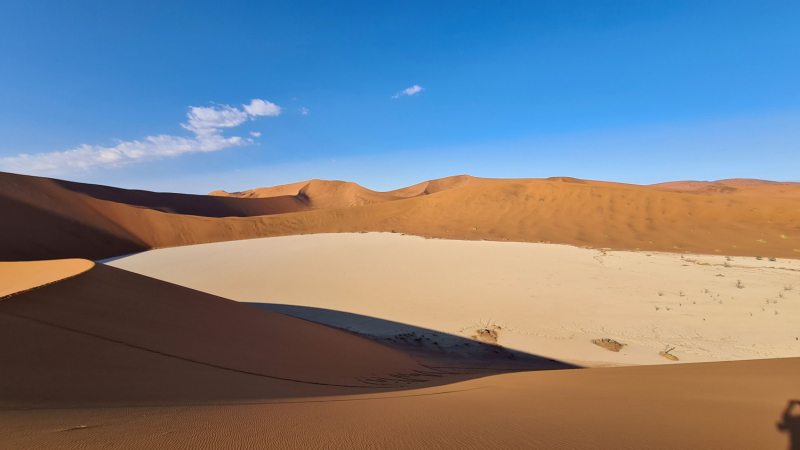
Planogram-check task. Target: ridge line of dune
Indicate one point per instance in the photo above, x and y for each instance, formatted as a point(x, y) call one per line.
point(42, 285)
point(22, 291)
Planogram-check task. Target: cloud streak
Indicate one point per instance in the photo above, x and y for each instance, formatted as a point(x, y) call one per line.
point(413, 90)
point(205, 122)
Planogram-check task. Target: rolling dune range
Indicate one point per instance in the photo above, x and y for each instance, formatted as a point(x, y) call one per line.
point(54, 219)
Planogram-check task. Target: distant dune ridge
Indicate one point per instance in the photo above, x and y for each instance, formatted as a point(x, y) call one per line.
point(695, 185)
point(53, 219)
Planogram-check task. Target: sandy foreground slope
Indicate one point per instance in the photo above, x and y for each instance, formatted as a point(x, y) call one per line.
point(111, 359)
point(731, 405)
point(55, 219)
point(549, 300)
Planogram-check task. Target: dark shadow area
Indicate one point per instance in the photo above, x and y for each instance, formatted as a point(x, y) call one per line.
point(790, 424)
point(188, 204)
point(434, 347)
point(29, 233)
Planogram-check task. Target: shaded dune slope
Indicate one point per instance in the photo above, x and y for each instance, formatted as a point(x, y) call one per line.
point(52, 222)
point(193, 205)
point(111, 336)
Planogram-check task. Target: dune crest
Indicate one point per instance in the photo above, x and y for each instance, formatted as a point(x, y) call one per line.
point(17, 277)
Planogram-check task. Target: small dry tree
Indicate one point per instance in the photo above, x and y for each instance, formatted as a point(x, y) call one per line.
point(739, 284)
point(666, 353)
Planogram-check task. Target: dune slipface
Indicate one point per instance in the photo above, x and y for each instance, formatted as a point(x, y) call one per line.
point(52, 221)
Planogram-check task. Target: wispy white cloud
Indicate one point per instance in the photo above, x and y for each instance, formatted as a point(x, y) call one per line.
point(413, 90)
point(262, 108)
point(304, 110)
point(256, 133)
point(207, 120)
point(204, 122)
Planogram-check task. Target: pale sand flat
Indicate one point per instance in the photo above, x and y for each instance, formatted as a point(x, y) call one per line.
point(547, 300)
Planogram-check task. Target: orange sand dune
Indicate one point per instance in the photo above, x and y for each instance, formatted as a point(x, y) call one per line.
point(730, 405)
point(50, 221)
point(194, 205)
point(330, 188)
point(439, 185)
point(319, 194)
point(689, 185)
point(264, 192)
point(16, 277)
point(108, 336)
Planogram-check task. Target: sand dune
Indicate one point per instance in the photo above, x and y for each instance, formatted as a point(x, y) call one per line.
point(264, 192)
point(186, 204)
point(108, 336)
point(690, 185)
point(733, 405)
point(438, 185)
point(52, 222)
point(328, 188)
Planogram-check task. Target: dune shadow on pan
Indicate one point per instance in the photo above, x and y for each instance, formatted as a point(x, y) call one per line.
point(790, 423)
point(432, 347)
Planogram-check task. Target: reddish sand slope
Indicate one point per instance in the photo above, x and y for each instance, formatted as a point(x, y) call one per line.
point(319, 194)
point(50, 221)
point(108, 336)
point(730, 405)
point(336, 194)
point(264, 192)
point(438, 185)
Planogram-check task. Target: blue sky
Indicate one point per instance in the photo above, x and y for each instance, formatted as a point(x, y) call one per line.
point(640, 91)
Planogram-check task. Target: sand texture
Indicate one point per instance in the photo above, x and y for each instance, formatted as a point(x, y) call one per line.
point(731, 405)
point(548, 300)
point(55, 219)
